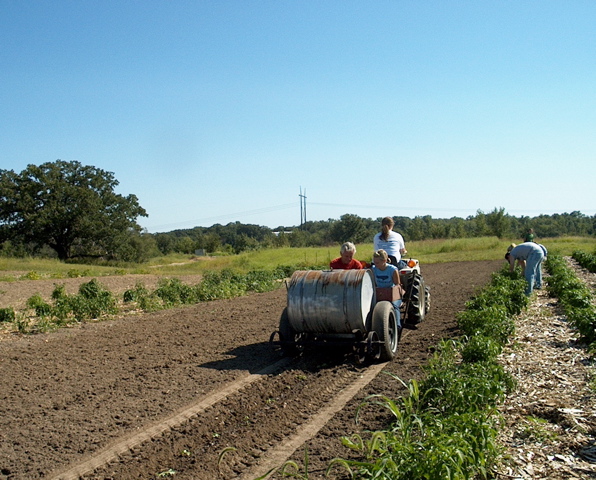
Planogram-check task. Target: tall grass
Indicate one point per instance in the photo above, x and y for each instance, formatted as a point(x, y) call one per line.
point(427, 251)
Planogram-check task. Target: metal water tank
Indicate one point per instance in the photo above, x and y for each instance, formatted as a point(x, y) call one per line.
point(330, 301)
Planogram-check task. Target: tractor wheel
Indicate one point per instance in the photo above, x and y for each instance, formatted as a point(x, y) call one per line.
point(426, 300)
point(288, 337)
point(384, 323)
point(417, 301)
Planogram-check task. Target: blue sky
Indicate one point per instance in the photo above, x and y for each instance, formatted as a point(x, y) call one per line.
point(222, 111)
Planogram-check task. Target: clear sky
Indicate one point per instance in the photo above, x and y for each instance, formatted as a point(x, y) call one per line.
point(216, 111)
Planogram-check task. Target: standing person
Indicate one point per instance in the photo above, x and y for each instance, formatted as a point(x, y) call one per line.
point(529, 235)
point(346, 260)
point(529, 255)
point(390, 241)
point(387, 275)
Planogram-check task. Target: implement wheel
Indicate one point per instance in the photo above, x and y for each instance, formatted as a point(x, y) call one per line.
point(384, 323)
point(289, 339)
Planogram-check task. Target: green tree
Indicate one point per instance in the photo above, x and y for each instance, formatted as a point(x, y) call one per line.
point(349, 228)
point(498, 223)
point(67, 206)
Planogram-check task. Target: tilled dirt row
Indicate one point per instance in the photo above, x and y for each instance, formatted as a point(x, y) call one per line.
point(69, 394)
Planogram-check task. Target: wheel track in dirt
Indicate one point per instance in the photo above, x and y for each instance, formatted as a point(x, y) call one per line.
point(125, 444)
point(341, 389)
point(336, 387)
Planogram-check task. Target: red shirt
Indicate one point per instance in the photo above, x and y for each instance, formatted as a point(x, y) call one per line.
point(337, 264)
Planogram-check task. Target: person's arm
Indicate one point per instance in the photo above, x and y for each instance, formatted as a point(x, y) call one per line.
point(511, 263)
point(396, 279)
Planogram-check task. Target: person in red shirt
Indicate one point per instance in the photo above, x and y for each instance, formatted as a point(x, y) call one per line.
point(346, 261)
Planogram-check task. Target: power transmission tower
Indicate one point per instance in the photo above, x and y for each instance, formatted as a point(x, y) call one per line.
point(302, 207)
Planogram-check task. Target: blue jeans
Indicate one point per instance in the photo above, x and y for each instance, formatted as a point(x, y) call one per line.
point(398, 263)
point(396, 305)
point(534, 271)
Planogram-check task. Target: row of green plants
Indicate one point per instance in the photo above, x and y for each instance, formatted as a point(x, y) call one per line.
point(575, 297)
point(172, 292)
point(446, 426)
point(585, 259)
point(94, 301)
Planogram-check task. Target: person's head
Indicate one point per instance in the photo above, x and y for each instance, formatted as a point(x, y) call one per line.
point(347, 252)
point(509, 248)
point(380, 259)
point(387, 224)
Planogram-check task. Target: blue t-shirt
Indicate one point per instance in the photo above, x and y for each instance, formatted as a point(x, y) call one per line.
point(384, 278)
point(524, 250)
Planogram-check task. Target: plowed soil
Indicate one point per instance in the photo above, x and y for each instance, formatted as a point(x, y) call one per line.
point(68, 396)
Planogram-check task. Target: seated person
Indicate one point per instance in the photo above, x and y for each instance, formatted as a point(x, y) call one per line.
point(387, 275)
point(346, 261)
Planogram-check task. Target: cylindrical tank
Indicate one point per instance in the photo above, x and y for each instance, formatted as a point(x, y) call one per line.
point(330, 301)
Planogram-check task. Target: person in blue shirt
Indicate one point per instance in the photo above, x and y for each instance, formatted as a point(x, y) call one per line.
point(529, 256)
point(387, 275)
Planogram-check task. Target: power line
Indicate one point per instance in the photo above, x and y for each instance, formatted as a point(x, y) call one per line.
point(197, 221)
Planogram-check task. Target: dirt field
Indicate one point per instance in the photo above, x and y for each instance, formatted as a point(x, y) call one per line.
point(162, 394)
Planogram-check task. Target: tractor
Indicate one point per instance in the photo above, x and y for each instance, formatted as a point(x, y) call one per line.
point(345, 308)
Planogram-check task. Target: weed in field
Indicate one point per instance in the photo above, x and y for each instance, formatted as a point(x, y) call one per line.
point(170, 472)
point(535, 429)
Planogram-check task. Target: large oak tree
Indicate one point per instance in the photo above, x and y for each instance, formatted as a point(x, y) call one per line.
point(68, 206)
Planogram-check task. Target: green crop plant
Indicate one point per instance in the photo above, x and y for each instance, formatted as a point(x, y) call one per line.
point(493, 321)
point(174, 292)
point(575, 297)
point(446, 426)
point(32, 275)
point(41, 307)
point(586, 260)
point(480, 348)
point(421, 444)
point(144, 299)
point(92, 301)
point(7, 315)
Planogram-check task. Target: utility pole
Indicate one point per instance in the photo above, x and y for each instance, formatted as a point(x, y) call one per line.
point(302, 207)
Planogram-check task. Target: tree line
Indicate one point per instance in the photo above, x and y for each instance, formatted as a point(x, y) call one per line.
point(236, 237)
point(70, 211)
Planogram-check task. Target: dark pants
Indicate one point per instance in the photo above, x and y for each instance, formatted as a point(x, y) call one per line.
point(401, 264)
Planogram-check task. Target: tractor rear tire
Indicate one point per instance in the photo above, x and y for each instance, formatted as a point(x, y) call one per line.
point(384, 322)
point(417, 305)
